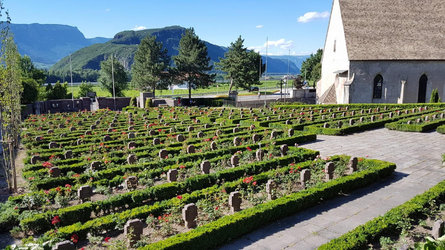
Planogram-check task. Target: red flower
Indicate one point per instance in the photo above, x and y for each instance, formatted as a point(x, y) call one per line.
point(159, 217)
point(248, 180)
point(55, 220)
point(67, 185)
point(52, 157)
point(31, 178)
point(248, 148)
point(182, 167)
point(179, 197)
point(76, 175)
point(159, 130)
point(254, 183)
point(58, 189)
point(47, 164)
point(114, 130)
point(124, 133)
point(107, 239)
point(216, 208)
point(46, 191)
point(74, 238)
point(292, 164)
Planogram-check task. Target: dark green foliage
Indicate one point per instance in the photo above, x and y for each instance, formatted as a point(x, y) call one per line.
point(85, 88)
point(150, 65)
point(120, 76)
point(30, 91)
point(311, 67)
point(58, 91)
point(192, 62)
point(242, 66)
point(435, 96)
point(148, 103)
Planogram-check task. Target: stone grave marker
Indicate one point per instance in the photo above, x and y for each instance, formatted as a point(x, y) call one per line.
point(234, 161)
point(329, 171)
point(326, 125)
point(172, 175)
point(133, 230)
point(191, 149)
point(180, 138)
point(305, 176)
point(95, 165)
point(34, 159)
point(205, 167)
point(283, 149)
point(52, 145)
point(55, 172)
point(200, 134)
point(271, 186)
point(107, 138)
point(255, 138)
point(156, 141)
point(235, 201)
point(236, 141)
point(131, 159)
point(131, 144)
point(189, 214)
point(213, 146)
point(351, 122)
point(352, 165)
point(163, 153)
point(437, 230)
point(259, 155)
point(273, 135)
point(68, 154)
point(84, 193)
point(131, 135)
point(131, 183)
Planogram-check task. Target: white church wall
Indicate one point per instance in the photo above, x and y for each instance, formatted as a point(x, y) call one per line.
point(393, 72)
point(337, 60)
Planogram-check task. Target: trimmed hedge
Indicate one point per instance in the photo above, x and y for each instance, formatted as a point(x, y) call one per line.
point(359, 237)
point(232, 226)
point(421, 127)
point(441, 129)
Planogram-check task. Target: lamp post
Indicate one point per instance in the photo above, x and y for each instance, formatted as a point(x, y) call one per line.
point(112, 79)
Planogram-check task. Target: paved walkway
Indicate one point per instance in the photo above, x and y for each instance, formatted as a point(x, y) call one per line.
point(418, 159)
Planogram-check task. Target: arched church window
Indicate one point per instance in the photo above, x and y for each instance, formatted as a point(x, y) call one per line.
point(378, 84)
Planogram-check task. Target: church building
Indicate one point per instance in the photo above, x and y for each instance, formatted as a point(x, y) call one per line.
point(383, 51)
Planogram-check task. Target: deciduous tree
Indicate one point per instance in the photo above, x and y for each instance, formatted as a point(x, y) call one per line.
point(106, 76)
point(311, 67)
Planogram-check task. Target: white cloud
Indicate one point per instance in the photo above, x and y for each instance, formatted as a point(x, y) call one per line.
point(311, 16)
point(278, 47)
point(136, 28)
point(259, 26)
point(107, 10)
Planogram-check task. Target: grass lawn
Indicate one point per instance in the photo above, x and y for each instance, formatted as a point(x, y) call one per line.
point(217, 89)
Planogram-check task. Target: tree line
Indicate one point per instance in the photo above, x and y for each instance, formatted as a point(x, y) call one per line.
point(152, 71)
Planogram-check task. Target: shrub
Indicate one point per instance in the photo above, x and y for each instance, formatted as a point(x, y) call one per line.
point(435, 96)
point(148, 103)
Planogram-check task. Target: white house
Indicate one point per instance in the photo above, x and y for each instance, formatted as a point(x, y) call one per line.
point(383, 51)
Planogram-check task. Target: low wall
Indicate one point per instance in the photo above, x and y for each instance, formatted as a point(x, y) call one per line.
point(117, 103)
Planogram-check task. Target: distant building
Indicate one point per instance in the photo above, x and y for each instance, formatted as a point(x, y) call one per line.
point(383, 51)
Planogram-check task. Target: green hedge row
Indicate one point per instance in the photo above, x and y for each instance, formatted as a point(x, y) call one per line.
point(232, 226)
point(359, 237)
point(441, 129)
point(421, 127)
point(41, 222)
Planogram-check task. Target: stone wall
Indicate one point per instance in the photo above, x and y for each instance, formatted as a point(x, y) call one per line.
point(109, 102)
point(393, 73)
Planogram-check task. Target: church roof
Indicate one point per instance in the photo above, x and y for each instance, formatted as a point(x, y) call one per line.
point(394, 29)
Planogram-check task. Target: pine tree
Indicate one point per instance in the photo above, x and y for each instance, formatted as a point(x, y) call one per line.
point(106, 76)
point(242, 66)
point(192, 62)
point(150, 65)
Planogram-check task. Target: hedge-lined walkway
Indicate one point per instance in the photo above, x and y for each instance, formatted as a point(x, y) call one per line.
point(419, 167)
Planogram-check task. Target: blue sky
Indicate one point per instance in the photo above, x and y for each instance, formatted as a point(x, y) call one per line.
point(298, 25)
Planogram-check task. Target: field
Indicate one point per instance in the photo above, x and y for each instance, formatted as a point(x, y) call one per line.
point(221, 89)
point(185, 178)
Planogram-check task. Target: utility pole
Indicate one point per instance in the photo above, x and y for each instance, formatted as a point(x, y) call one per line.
point(267, 47)
point(72, 89)
point(112, 79)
